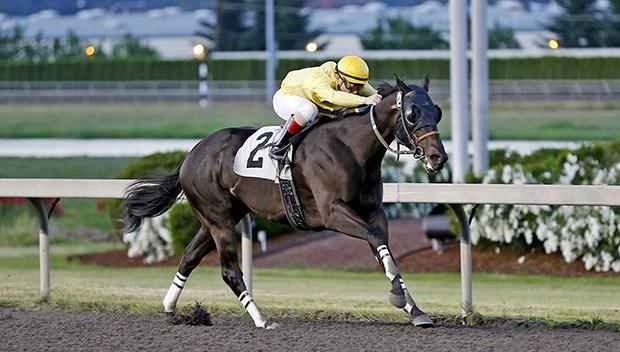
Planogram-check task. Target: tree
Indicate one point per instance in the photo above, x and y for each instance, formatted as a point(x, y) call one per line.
point(613, 23)
point(11, 43)
point(71, 46)
point(241, 25)
point(581, 24)
point(502, 38)
point(132, 46)
point(13, 46)
point(399, 33)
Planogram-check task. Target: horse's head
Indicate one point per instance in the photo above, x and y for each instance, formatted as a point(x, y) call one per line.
point(416, 124)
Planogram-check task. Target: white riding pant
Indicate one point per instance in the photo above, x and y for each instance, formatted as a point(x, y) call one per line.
point(288, 105)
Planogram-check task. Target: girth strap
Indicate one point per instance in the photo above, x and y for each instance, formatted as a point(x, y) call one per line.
point(290, 201)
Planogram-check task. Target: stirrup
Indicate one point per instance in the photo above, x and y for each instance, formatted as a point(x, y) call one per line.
point(278, 153)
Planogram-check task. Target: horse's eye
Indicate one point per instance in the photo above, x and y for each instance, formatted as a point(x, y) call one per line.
point(439, 113)
point(410, 112)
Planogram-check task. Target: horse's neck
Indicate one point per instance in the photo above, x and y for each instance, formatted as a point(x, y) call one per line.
point(361, 138)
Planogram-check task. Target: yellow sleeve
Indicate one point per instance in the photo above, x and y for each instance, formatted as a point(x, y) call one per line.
point(367, 91)
point(323, 90)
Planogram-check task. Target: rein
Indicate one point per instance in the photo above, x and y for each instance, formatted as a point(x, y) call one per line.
point(418, 152)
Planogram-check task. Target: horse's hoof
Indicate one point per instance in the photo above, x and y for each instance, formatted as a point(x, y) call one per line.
point(422, 320)
point(398, 301)
point(271, 325)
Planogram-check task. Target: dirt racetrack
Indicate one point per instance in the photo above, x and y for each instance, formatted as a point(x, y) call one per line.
point(53, 330)
point(89, 331)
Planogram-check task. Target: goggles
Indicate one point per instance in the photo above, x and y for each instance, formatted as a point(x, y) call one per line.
point(351, 86)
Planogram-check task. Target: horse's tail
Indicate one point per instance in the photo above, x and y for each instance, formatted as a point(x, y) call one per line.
point(148, 198)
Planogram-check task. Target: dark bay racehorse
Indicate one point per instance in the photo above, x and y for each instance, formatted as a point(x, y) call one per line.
point(337, 172)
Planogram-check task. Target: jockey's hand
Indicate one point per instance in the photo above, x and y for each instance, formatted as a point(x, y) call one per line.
point(373, 99)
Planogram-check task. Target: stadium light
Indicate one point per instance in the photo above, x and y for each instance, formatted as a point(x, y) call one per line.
point(90, 50)
point(312, 47)
point(200, 51)
point(553, 44)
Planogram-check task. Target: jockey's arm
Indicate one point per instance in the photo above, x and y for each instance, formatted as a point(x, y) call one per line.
point(320, 85)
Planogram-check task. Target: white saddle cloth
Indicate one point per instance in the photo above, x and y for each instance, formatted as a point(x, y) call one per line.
point(252, 159)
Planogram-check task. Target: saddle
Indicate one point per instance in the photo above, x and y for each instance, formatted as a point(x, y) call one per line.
point(284, 176)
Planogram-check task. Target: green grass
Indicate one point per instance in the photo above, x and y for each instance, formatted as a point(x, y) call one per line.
point(571, 121)
point(303, 293)
point(300, 293)
point(81, 167)
point(129, 120)
point(18, 225)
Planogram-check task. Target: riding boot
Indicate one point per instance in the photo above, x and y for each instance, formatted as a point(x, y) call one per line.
point(280, 147)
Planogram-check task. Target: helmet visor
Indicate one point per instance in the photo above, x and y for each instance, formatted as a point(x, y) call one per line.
point(351, 86)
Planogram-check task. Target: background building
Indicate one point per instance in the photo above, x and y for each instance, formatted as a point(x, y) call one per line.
point(172, 30)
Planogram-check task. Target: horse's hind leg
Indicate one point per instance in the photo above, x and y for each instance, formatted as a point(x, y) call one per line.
point(201, 245)
point(233, 276)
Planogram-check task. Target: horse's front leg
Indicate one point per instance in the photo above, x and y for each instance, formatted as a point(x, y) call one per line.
point(375, 231)
point(399, 294)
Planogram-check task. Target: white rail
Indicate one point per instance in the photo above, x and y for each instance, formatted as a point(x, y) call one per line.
point(453, 194)
point(392, 192)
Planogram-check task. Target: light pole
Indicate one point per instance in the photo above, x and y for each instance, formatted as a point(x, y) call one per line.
point(271, 62)
point(200, 53)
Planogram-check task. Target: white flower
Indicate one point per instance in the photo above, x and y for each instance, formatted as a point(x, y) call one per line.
point(589, 261)
point(575, 231)
point(151, 239)
point(616, 265)
point(506, 174)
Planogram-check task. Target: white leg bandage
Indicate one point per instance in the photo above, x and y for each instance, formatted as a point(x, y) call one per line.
point(248, 303)
point(170, 301)
point(391, 270)
point(410, 302)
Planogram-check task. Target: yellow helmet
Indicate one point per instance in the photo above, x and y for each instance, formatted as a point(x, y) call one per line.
point(353, 69)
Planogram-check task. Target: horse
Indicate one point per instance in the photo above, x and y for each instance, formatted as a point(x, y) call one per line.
point(337, 174)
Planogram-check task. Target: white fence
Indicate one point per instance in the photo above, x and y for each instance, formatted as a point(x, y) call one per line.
point(162, 91)
point(453, 194)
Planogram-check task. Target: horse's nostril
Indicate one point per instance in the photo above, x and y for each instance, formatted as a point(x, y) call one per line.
point(436, 158)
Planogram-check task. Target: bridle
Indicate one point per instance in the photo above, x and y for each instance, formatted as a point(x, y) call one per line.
point(414, 140)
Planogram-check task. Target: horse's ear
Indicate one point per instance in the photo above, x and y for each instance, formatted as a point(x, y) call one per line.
point(401, 84)
point(425, 82)
point(384, 89)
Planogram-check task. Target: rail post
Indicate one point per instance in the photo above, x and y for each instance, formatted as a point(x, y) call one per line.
point(44, 247)
point(466, 291)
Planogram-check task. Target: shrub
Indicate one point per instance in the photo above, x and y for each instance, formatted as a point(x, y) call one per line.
point(590, 233)
point(147, 166)
point(152, 238)
point(161, 237)
point(395, 171)
point(183, 226)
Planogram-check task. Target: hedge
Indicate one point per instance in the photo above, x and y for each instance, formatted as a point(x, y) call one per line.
point(160, 238)
point(138, 69)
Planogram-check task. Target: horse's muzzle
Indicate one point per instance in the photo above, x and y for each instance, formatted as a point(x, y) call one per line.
point(435, 161)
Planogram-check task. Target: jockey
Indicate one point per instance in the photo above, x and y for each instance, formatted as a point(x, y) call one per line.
point(331, 86)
